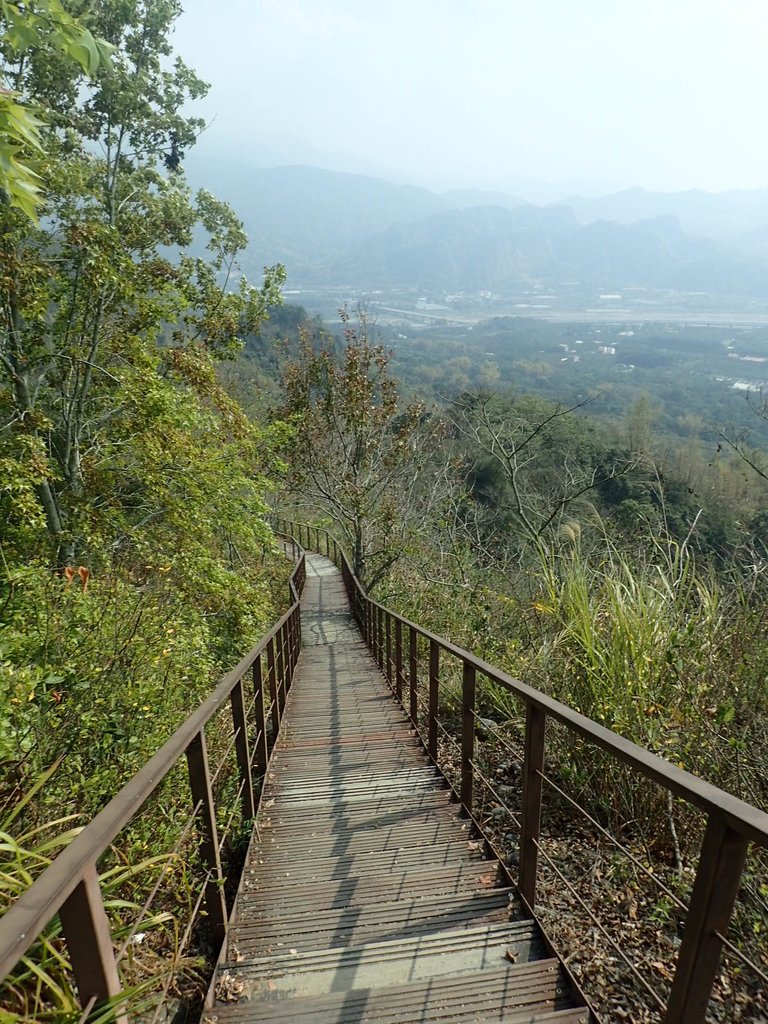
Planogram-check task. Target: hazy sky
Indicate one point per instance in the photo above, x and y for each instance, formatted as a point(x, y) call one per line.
point(668, 94)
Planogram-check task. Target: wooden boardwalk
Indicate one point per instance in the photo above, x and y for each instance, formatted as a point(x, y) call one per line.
point(366, 897)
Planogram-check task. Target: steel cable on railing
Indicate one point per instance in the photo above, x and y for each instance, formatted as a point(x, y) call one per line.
point(268, 717)
point(224, 756)
point(490, 726)
point(513, 815)
point(449, 736)
point(267, 713)
point(255, 744)
point(201, 896)
point(680, 904)
point(235, 809)
point(735, 951)
point(252, 704)
point(161, 1008)
point(188, 824)
point(593, 917)
point(198, 903)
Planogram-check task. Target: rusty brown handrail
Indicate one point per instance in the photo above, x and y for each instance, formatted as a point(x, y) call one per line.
point(70, 885)
point(731, 823)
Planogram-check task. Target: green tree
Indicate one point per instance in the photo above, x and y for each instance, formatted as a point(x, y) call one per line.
point(532, 461)
point(88, 295)
point(638, 426)
point(358, 455)
point(25, 27)
point(120, 451)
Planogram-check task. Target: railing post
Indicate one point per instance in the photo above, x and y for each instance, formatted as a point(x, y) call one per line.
point(388, 626)
point(413, 674)
point(714, 893)
point(380, 636)
point(468, 686)
point(262, 751)
point(281, 668)
point(399, 659)
point(302, 574)
point(272, 675)
point(296, 637)
point(434, 692)
point(291, 646)
point(202, 795)
point(242, 751)
point(288, 664)
point(89, 943)
point(335, 551)
point(530, 821)
point(288, 651)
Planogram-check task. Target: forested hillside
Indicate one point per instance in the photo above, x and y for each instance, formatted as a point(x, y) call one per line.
point(595, 535)
point(135, 560)
point(577, 557)
point(336, 228)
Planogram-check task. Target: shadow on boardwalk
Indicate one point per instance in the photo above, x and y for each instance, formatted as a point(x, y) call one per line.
point(365, 895)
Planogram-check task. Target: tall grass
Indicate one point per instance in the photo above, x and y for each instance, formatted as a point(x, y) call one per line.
point(662, 651)
point(624, 635)
point(41, 987)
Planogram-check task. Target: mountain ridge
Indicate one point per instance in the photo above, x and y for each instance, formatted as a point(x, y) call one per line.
point(330, 226)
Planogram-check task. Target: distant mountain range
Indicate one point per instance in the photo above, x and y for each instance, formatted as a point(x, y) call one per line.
point(717, 215)
point(332, 227)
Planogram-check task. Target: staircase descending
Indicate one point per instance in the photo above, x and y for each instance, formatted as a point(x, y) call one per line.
point(366, 896)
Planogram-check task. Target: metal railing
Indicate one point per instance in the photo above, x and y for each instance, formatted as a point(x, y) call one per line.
point(731, 824)
point(70, 886)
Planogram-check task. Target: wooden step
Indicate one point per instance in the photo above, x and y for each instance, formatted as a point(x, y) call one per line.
point(529, 994)
point(287, 974)
point(273, 900)
point(380, 920)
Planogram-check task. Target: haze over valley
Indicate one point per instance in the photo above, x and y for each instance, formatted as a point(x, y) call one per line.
point(467, 253)
point(470, 300)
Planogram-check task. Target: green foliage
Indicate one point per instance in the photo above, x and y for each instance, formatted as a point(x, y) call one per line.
point(357, 450)
point(86, 387)
point(40, 988)
point(136, 563)
point(620, 615)
point(28, 27)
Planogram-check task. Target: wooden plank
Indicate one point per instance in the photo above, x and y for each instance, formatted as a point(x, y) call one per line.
point(362, 871)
